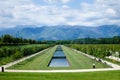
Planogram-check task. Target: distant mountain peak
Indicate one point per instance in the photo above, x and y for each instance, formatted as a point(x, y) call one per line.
point(62, 32)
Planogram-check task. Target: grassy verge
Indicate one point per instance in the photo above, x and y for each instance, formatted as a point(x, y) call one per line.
point(104, 75)
point(40, 61)
point(11, 53)
point(79, 61)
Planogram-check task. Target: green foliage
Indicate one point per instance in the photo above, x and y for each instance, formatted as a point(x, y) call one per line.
point(8, 40)
point(113, 40)
point(8, 54)
point(98, 50)
point(18, 54)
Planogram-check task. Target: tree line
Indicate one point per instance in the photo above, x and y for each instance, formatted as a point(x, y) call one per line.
point(113, 40)
point(88, 40)
point(10, 40)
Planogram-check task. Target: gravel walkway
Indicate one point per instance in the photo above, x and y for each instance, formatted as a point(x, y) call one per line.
point(114, 58)
point(63, 71)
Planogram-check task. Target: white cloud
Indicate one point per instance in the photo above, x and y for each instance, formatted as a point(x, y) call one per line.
point(102, 12)
point(56, 1)
point(25, 12)
point(65, 1)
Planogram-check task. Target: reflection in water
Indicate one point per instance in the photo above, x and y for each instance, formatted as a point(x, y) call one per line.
point(59, 59)
point(59, 62)
point(59, 54)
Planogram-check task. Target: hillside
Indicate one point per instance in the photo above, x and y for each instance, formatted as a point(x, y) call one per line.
point(62, 32)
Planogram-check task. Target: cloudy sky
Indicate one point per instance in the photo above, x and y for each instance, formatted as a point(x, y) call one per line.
point(59, 12)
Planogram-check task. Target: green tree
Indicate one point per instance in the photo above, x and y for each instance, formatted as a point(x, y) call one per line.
point(7, 39)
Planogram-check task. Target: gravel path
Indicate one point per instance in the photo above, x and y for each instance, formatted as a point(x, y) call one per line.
point(114, 58)
point(63, 71)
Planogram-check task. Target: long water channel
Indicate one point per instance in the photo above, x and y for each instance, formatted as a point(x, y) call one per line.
point(59, 59)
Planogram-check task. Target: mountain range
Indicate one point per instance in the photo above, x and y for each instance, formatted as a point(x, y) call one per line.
point(62, 32)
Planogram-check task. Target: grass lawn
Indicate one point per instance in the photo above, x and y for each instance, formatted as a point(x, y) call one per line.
point(41, 61)
point(103, 75)
point(35, 63)
point(77, 60)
